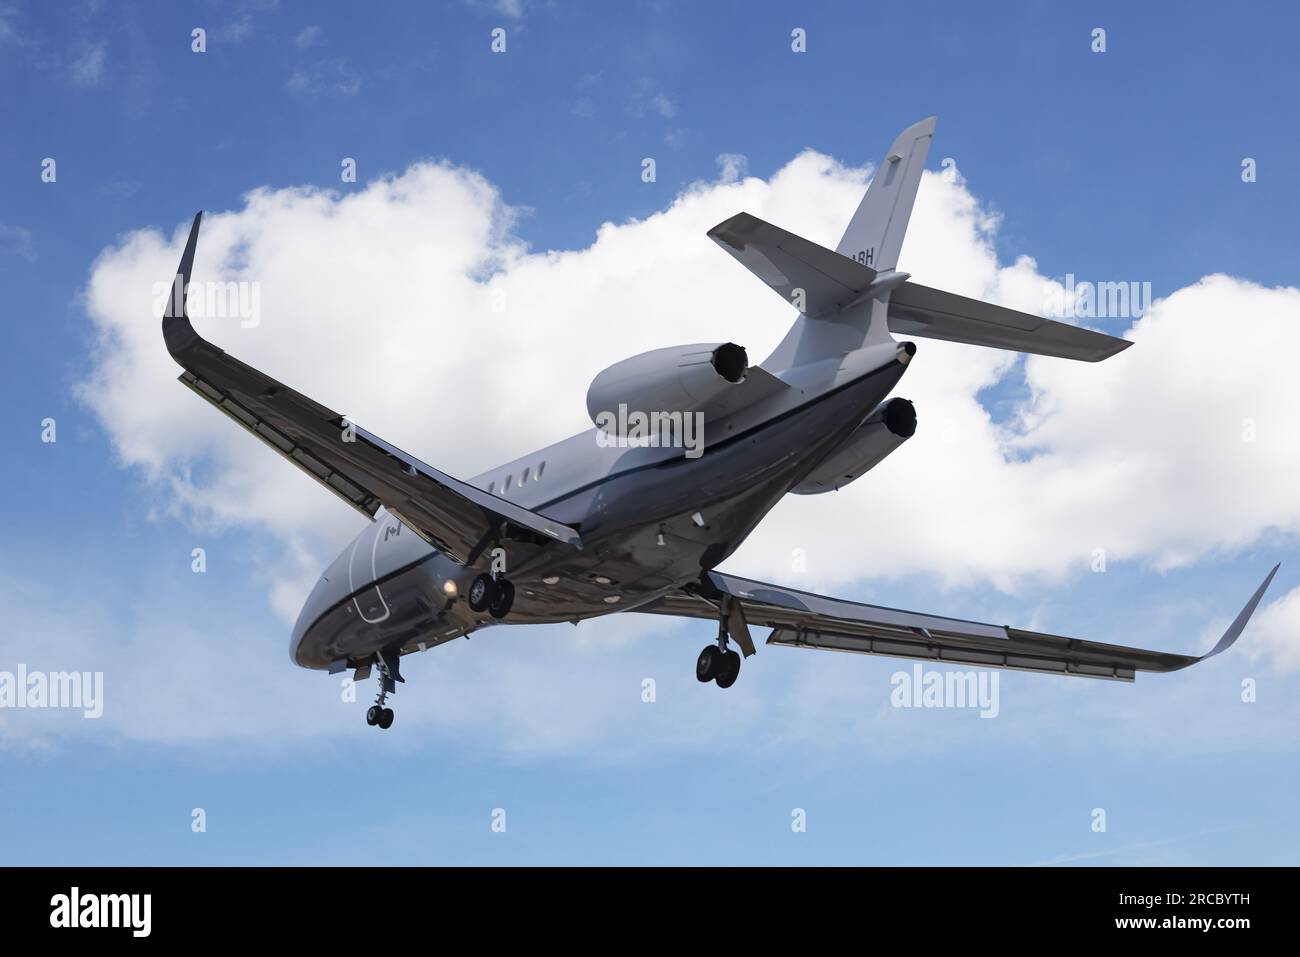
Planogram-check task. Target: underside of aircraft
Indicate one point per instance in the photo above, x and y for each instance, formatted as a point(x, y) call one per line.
point(613, 520)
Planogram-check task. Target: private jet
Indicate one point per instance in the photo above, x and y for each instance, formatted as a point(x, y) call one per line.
point(605, 522)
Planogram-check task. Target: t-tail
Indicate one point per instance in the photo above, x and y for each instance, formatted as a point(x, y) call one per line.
point(854, 296)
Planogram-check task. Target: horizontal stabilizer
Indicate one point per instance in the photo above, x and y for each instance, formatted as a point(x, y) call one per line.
point(813, 279)
point(916, 310)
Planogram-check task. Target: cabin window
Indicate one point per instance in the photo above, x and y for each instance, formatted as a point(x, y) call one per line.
point(506, 487)
point(540, 468)
point(523, 479)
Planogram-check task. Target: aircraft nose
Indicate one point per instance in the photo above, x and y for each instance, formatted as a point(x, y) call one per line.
point(329, 590)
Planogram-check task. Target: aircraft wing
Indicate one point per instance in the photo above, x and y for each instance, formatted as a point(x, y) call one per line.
point(362, 469)
point(804, 620)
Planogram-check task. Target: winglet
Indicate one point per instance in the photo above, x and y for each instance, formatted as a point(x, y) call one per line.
point(1239, 623)
point(177, 331)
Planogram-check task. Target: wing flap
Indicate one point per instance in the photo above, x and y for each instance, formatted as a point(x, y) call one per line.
point(947, 649)
point(368, 505)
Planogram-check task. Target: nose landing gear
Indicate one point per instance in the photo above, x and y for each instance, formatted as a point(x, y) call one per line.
point(390, 672)
point(377, 714)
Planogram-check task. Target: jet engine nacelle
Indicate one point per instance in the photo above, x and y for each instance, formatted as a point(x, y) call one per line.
point(676, 379)
point(891, 424)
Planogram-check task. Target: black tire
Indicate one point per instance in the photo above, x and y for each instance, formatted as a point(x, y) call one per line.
point(729, 669)
point(481, 590)
point(707, 664)
point(503, 598)
point(386, 718)
point(372, 715)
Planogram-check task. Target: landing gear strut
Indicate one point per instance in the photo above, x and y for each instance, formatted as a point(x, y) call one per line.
point(390, 672)
point(717, 663)
point(492, 594)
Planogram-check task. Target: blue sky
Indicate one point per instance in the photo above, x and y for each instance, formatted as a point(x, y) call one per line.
point(1116, 166)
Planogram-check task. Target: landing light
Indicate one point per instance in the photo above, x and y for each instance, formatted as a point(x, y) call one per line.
point(449, 588)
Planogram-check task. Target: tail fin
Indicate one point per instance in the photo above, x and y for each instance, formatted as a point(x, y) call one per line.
point(858, 298)
point(875, 234)
point(873, 240)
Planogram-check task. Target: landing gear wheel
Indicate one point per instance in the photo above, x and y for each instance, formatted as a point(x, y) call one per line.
point(707, 664)
point(372, 715)
point(503, 597)
point(386, 718)
point(728, 669)
point(481, 590)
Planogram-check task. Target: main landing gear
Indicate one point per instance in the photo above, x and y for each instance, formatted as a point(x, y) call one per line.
point(491, 594)
point(714, 664)
point(717, 663)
